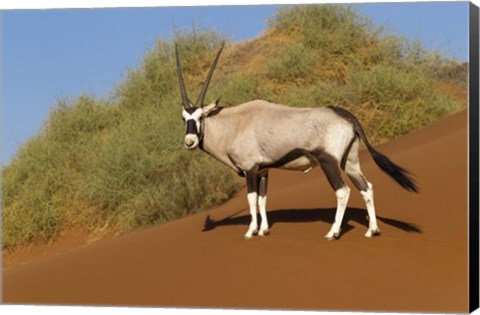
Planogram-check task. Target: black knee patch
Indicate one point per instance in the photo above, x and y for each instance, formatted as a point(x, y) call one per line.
point(262, 186)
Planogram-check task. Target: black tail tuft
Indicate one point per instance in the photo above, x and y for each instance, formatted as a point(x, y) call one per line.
point(399, 174)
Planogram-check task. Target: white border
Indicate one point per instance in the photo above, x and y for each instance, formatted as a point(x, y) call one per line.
point(58, 4)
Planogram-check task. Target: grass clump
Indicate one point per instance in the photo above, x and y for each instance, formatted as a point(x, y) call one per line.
point(117, 164)
point(293, 64)
point(330, 29)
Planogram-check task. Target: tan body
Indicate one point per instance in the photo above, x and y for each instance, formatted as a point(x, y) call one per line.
point(260, 134)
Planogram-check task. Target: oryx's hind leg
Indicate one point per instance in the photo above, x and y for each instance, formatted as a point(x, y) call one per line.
point(252, 197)
point(352, 168)
point(331, 167)
point(262, 203)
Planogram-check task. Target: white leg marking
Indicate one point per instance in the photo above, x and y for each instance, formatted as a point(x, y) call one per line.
point(262, 206)
point(372, 225)
point(342, 200)
point(252, 204)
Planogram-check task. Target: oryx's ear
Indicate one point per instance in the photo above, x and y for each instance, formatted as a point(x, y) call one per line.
point(208, 108)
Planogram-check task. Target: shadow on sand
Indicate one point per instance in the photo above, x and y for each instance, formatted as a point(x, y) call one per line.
point(326, 215)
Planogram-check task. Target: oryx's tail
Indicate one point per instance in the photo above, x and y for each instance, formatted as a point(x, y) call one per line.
point(399, 174)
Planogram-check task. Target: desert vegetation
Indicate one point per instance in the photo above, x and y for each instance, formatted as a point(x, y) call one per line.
point(118, 163)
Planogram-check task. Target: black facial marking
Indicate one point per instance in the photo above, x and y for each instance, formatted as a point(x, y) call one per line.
point(191, 127)
point(190, 110)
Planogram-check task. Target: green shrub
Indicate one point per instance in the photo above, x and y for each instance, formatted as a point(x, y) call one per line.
point(334, 29)
point(294, 63)
point(235, 89)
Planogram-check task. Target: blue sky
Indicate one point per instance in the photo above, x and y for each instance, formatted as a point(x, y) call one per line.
point(52, 54)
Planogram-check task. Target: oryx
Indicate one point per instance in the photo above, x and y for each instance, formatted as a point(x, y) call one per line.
point(255, 136)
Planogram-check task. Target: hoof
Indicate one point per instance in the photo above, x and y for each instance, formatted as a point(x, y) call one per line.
point(371, 233)
point(247, 236)
point(264, 233)
point(331, 238)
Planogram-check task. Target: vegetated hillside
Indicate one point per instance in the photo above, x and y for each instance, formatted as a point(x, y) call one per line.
point(116, 164)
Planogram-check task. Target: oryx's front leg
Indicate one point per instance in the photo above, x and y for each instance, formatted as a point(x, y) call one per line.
point(252, 197)
point(262, 203)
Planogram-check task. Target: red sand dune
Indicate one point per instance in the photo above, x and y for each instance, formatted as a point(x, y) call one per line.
point(419, 263)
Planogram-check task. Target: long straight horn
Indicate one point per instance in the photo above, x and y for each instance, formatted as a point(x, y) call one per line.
point(186, 102)
point(201, 97)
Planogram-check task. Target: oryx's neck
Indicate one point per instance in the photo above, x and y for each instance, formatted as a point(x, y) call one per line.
point(219, 129)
